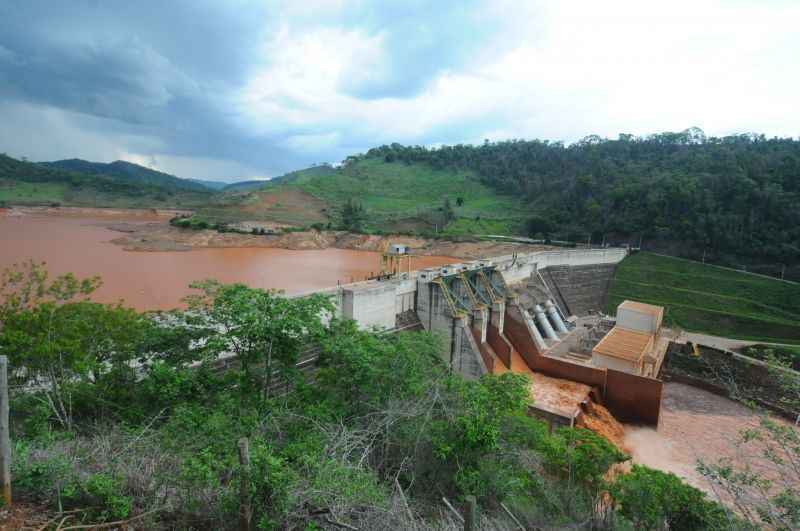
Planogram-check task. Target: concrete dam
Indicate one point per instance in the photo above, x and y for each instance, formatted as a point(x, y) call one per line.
point(535, 313)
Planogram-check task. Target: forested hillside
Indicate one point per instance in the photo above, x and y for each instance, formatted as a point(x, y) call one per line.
point(735, 196)
point(23, 182)
point(129, 172)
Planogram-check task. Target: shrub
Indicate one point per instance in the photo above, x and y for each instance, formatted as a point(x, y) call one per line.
point(652, 499)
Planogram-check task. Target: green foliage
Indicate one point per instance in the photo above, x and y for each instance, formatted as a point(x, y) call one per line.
point(733, 195)
point(783, 354)
point(259, 327)
point(352, 215)
point(652, 499)
point(709, 299)
point(127, 172)
point(105, 491)
point(382, 411)
point(121, 184)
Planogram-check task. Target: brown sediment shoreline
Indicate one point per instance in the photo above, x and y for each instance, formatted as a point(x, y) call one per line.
point(163, 237)
point(148, 230)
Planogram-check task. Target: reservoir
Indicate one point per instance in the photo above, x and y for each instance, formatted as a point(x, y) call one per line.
point(80, 244)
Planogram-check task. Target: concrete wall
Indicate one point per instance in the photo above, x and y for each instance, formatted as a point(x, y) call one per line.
point(580, 288)
point(560, 368)
point(467, 359)
point(636, 320)
point(610, 362)
point(522, 342)
point(486, 355)
point(406, 295)
point(499, 344)
point(371, 305)
point(521, 339)
point(632, 398)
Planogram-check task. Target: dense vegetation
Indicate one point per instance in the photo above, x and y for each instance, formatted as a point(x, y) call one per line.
point(117, 414)
point(24, 182)
point(124, 171)
point(736, 198)
point(710, 299)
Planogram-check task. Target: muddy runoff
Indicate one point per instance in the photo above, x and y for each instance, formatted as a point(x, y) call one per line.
point(105, 242)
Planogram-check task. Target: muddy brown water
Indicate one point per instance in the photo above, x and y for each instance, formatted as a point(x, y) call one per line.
point(159, 280)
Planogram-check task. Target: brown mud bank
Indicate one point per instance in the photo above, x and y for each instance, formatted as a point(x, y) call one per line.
point(163, 237)
point(144, 214)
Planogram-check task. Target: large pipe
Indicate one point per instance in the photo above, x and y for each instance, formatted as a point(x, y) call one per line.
point(553, 313)
point(544, 323)
point(537, 336)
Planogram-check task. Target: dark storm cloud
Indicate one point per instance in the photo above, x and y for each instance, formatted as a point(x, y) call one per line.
point(162, 67)
point(171, 70)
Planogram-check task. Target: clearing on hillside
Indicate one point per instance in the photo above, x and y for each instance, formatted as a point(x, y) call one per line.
point(710, 299)
point(282, 204)
point(399, 196)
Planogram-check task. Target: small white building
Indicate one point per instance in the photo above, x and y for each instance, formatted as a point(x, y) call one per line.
point(639, 316)
point(629, 345)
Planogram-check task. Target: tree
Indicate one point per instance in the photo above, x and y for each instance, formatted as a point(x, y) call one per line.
point(59, 341)
point(264, 329)
point(459, 201)
point(353, 215)
point(447, 211)
point(652, 499)
point(538, 226)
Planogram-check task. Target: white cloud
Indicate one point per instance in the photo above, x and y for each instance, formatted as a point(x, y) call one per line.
point(550, 70)
point(592, 68)
point(196, 167)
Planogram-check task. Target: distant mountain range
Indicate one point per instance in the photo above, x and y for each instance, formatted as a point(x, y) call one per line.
point(133, 173)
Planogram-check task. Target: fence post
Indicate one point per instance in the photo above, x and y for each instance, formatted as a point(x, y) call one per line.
point(5, 440)
point(244, 480)
point(471, 514)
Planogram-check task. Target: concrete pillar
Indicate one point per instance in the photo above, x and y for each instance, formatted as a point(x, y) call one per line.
point(466, 358)
point(480, 322)
point(541, 318)
point(537, 337)
point(499, 315)
point(554, 317)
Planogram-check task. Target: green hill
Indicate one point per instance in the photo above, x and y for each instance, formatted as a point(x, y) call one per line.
point(732, 199)
point(710, 299)
point(127, 172)
point(29, 183)
point(242, 186)
point(398, 197)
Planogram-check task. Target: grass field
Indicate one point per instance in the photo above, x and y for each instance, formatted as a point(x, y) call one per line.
point(13, 192)
point(398, 196)
point(48, 193)
point(708, 299)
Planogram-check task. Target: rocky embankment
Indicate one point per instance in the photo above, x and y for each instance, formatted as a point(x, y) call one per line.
point(163, 237)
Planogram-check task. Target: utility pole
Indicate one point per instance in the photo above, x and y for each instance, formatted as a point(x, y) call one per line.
point(704, 255)
point(471, 514)
point(5, 439)
point(589, 240)
point(783, 270)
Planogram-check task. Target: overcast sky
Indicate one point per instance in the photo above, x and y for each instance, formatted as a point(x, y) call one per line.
point(232, 90)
